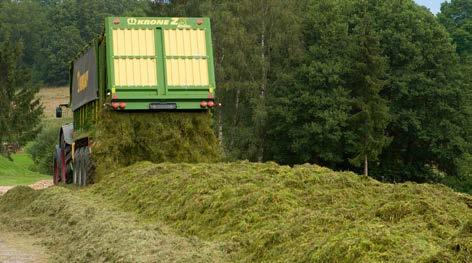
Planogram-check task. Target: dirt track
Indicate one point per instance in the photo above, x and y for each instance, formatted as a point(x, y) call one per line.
point(19, 249)
point(15, 248)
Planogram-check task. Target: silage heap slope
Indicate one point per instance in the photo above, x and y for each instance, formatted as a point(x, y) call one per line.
point(78, 227)
point(266, 212)
point(124, 138)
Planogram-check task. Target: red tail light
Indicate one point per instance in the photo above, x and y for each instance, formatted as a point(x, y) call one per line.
point(199, 21)
point(203, 104)
point(115, 105)
point(122, 105)
point(211, 104)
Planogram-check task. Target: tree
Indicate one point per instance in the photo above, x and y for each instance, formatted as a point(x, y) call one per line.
point(58, 30)
point(311, 106)
point(406, 61)
point(17, 21)
point(19, 110)
point(370, 111)
point(427, 105)
point(456, 16)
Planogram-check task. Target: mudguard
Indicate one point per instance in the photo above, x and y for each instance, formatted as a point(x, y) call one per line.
point(68, 131)
point(57, 152)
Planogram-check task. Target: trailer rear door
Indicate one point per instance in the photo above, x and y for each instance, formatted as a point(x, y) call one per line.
point(161, 61)
point(135, 57)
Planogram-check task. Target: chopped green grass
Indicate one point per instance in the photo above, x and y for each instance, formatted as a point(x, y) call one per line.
point(271, 213)
point(78, 227)
point(245, 212)
point(124, 138)
point(17, 172)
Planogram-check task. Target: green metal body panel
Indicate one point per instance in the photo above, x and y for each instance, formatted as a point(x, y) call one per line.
point(139, 98)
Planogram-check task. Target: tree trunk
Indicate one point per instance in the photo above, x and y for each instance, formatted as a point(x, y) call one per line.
point(366, 166)
point(262, 94)
point(236, 111)
point(220, 126)
point(235, 121)
point(263, 58)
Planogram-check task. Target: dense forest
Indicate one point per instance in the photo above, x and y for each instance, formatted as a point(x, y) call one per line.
point(54, 31)
point(346, 84)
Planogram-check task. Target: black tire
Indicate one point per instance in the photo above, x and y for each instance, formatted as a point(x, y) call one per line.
point(67, 170)
point(88, 167)
point(80, 167)
point(76, 165)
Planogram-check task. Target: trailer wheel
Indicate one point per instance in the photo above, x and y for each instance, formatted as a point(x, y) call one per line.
point(87, 165)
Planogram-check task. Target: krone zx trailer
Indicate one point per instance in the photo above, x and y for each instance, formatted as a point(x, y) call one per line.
point(149, 64)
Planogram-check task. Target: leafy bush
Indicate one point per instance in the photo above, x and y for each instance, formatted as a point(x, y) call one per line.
point(42, 148)
point(459, 183)
point(462, 182)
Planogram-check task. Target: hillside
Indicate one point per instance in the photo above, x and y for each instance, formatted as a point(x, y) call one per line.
point(240, 212)
point(17, 172)
point(53, 97)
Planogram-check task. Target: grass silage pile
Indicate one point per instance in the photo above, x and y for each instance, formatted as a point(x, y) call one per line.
point(123, 138)
point(271, 213)
point(78, 227)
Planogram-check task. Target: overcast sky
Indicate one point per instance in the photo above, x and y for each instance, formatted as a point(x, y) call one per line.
point(433, 5)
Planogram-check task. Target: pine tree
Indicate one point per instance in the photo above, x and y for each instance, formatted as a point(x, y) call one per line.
point(371, 112)
point(20, 112)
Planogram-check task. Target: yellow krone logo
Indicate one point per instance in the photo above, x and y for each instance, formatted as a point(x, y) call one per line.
point(152, 22)
point(82, 81)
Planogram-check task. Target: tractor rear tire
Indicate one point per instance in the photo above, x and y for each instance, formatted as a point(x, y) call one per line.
point(83, 167)
point(80, 167)
point(76, 165)
point(63, 165)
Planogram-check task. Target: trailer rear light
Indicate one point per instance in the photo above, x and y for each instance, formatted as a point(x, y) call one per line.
point(122, 105)
point(199, 21)
point(116, 21)
point(203, 104)
point(115, 105)
point(115, 97)
point(211, 104)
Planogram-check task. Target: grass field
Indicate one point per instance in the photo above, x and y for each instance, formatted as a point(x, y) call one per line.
point(53, 97)
point(17, 172)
